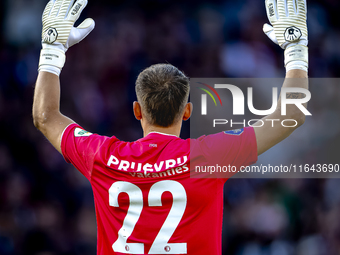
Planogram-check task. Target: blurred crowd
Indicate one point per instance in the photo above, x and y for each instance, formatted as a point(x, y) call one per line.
point(46, 206)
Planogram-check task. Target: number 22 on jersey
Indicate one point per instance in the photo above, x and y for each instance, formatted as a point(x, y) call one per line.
point(160, 244)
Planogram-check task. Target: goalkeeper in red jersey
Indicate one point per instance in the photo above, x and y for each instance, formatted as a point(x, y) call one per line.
point(146, 202)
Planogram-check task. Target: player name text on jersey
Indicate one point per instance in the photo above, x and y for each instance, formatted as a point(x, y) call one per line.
point(146, 167)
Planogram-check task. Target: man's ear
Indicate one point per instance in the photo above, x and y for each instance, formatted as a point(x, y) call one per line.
point(137, 110)
point(187, 111)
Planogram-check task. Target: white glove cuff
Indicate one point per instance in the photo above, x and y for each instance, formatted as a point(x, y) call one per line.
point(50, 69)
point(296, 57)
point(52, 57)
point(297, 65)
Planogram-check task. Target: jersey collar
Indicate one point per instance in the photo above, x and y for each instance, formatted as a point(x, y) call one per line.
point(161, 133)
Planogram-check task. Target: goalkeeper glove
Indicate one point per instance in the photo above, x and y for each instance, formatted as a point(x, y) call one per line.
point(58, 33)
point(288, 29)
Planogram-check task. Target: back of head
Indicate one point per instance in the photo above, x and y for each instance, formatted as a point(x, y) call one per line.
point(162, 91)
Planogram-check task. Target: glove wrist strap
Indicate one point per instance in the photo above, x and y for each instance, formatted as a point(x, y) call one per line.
point(51, 59)
point(50, 69)
point(296, 57)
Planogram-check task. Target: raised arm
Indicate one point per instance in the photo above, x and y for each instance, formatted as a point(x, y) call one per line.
point(289, 30)
point(57, 36)
point(46, 115)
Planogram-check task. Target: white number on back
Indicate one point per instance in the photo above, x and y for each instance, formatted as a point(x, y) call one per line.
point(131, 218)
point(160, 244)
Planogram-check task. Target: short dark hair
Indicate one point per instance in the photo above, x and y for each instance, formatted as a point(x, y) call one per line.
point(163, 91)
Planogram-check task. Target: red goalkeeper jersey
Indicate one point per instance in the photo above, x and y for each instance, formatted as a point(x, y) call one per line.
point(146, 202)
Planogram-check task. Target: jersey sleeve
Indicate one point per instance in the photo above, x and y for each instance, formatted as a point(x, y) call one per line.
point(79, 147)
point(235, 148)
